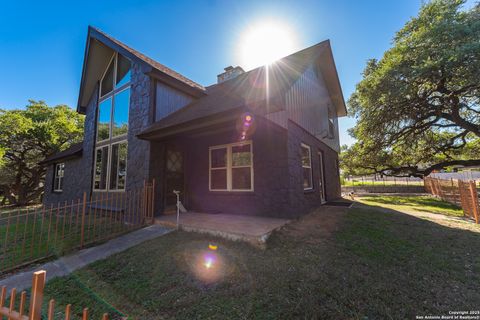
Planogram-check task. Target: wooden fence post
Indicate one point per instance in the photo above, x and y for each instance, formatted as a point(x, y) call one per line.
point(82, 232)
point(36, 299)
point(474, 195)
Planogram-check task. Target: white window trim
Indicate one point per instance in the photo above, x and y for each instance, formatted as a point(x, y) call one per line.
point(61, 178)
point(109, 171)
point(303, 145)
point(229, 167)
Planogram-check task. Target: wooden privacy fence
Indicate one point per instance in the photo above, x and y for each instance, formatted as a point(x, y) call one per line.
point(34, 234)
point(459, 192)
point(17, 311)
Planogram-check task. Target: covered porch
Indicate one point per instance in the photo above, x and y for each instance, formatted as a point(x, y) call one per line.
point(252, 229)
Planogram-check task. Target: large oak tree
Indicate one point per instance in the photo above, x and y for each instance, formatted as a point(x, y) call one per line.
point(27, 137)
point(418, 107)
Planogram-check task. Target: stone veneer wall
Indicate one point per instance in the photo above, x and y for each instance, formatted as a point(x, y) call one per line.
point(278, 179)
point(138, 158)
point(270, 195)
point(300, 200)
point(78, 171)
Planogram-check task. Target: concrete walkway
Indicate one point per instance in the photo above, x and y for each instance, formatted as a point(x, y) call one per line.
point(252, 229)
point(70, 263)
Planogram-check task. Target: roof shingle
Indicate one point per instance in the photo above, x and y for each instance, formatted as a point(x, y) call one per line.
point(245, 90)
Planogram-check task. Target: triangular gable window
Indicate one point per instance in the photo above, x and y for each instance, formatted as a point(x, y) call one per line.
point(107, 81)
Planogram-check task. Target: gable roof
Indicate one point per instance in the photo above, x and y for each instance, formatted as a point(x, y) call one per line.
point(98, 51)
point(75, 150)
point(251, 88)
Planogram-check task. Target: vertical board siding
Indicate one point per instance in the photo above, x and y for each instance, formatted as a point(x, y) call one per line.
point(307, 103)
point(168, 100)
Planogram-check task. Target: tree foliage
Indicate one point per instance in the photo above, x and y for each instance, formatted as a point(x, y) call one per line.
point(26, 138)
point(418, 107)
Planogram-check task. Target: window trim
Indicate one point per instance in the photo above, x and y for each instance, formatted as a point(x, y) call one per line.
point(61, 178)
point(109, 171)
point(229, 166)
point(303, 145)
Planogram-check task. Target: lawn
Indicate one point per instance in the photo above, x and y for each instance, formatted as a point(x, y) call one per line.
point(357, 183)
point(413, 204)
point(359, 263)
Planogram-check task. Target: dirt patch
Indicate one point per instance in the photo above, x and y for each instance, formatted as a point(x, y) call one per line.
point(316, 226)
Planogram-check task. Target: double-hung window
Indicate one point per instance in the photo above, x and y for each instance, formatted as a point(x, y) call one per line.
point(58, 177)
point(307, 167)
point(112, 126)
point(231, 167)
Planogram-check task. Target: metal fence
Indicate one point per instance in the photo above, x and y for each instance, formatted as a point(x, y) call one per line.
point(18, 311)
point(35, 234)
point(459, 192)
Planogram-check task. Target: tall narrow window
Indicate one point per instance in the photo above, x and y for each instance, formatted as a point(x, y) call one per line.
point(104, 115)
point(118, 166)
point(307, 167)
point(112, 126)
point(101, 166)
point(231, 167)
point(331, 122)
point(58, 177)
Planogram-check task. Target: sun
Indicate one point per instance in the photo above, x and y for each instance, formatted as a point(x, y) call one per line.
point(264, 42)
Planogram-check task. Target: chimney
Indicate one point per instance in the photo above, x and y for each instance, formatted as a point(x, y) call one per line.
point(230, 73)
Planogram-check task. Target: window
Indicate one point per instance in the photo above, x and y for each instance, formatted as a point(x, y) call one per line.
point(114, 102)
point(112, 126)
point(331, 122)
point(307, 167)
point(231, 167)
point(58, 177)
point(101, 166)
point(118, 166)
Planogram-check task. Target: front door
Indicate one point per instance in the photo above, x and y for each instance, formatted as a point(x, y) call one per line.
point(321, 180)
point(174, 179)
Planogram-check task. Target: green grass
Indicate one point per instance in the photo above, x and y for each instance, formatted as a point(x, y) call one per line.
point(26, 238)
point(5, 211)
point(362, 264)
point(358, 183)
point(414, 204)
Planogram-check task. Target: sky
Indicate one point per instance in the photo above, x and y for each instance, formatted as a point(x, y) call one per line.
point(42, 43)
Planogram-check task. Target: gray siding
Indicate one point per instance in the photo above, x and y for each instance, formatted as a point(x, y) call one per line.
point(168, 100)
point(307, 103)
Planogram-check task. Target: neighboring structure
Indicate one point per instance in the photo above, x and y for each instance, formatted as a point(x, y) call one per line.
point(262, 142)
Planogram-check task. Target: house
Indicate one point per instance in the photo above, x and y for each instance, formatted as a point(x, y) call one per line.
point(261, 142)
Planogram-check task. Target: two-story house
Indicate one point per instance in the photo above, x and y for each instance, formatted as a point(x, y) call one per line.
point(262, 142)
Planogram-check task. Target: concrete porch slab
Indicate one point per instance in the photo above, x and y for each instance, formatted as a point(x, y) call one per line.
point(252, 229)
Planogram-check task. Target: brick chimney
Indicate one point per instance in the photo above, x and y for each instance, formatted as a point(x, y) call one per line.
point(230, 73)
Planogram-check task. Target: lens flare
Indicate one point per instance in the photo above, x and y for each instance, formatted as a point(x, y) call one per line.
point(208, 262)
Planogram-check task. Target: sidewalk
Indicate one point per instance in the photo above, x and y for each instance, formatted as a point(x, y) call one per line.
point(70, 263)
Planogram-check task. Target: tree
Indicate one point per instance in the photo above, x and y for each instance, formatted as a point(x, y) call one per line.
point(418, 107)
point(26, 138)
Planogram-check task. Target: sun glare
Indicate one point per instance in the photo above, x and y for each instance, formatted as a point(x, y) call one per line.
point(265, 42)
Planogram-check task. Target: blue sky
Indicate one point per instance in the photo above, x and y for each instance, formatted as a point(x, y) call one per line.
point(42, 42)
